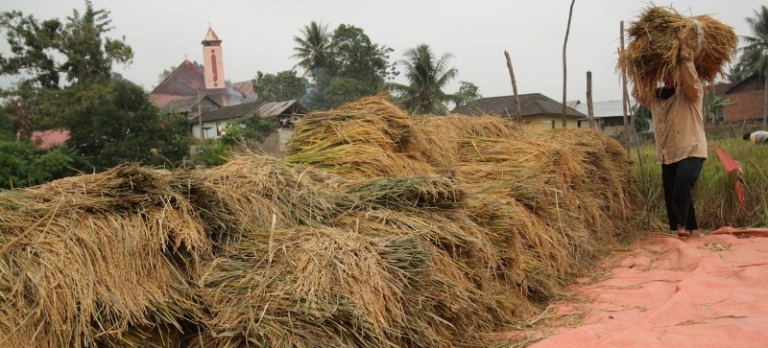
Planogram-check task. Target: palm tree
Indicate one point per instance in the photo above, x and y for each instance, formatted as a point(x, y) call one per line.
point(714, 105)
point(427, 76)
point(755, 56)
point(312, 48)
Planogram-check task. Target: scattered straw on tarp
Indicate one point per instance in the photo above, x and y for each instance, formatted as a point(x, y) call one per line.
point(652, 54)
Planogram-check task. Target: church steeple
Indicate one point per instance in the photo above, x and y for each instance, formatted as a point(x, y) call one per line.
point(214, 61)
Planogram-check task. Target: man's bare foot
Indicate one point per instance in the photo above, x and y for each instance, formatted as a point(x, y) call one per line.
point(695, 234)
point(683, 234)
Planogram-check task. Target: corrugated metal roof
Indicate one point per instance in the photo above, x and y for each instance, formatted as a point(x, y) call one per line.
point(183, 104)
point(530, 105)
point(162, 100)
point(277, 108)
point(290, 107)
point(611, 108)
point(246, 87)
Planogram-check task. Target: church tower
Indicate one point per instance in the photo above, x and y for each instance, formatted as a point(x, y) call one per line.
point(214, 62)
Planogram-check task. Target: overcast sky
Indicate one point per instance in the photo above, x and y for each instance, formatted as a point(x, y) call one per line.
point(257, 35)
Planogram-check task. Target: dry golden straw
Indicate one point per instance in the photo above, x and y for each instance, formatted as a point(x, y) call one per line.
point(379, 230)
point(652, 54)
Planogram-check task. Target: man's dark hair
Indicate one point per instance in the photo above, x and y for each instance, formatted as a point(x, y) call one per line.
point(747, 136)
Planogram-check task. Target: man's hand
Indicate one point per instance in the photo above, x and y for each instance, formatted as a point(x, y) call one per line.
point(685, 52)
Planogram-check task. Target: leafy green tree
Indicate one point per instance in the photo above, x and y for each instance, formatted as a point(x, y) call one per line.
point(216, 153)
point(253, 127)
point(21, 165)
point(115, 122)
point(111, 120)
point(738, 72)
point(312, 47)
point(427, 76)
point(286, 85)
point(13, 117)
point(642, 117)
point(356, 67)
point(714, 105)
point(754, 58)
point(468, 92)
point(36, 46)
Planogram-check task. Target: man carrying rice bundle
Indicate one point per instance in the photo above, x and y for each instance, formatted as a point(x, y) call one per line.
point(681, 144)
point(680, 52)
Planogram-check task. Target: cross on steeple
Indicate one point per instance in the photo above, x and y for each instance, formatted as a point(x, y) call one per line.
point(185, 56)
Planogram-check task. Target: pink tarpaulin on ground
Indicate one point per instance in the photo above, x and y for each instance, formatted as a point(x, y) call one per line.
point(705, 292)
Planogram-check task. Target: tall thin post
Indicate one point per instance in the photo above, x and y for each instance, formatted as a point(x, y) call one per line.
point(565, 70)
point(200, 116)
point(646, 194)
point(514, 90)
point(590, 108)
point(624, 88)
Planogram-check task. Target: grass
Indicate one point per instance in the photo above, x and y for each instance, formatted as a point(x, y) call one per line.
point(714, 195)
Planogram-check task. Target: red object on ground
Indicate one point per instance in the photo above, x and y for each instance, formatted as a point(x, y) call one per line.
point(703, 292)
point(734, 168)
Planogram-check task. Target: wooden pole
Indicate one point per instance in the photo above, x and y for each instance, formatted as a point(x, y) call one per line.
point(565, 70)
point(624, 88)
point(646, 191)
point(514, 90)
point(590, 108)
point(200, 116)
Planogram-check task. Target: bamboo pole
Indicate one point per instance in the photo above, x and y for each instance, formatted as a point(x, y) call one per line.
point(565, 70)
point(590, 108)
point(514, 90)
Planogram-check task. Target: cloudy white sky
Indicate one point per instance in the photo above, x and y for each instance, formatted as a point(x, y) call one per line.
point(257, 35)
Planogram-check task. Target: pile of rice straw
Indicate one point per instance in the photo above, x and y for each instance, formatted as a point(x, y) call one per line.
point(460, 228)
point(653, 52)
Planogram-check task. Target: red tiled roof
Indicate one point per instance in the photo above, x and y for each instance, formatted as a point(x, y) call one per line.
point(187, 80)
point(50, 138)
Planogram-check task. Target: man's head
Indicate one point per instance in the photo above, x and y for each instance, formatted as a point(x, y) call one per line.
point(747, 136)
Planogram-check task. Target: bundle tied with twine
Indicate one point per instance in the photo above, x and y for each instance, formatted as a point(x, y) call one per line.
point(653, 52)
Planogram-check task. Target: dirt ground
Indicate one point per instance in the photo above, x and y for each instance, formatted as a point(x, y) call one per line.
point(668, 292)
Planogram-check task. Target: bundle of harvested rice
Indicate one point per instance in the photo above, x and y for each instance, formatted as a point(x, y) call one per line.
point(251, 192)
point(443, 154)
point(368, 138)
point(310, 288)
point(87, 259)
point(403, 193)
point(652, 54)
point(388, 255)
